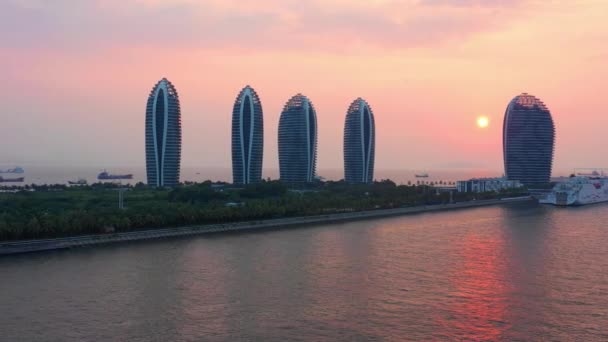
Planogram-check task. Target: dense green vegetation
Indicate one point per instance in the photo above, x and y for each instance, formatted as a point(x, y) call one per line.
point(56, 211)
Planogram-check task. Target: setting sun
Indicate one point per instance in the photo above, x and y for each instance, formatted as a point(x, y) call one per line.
point(483, 122)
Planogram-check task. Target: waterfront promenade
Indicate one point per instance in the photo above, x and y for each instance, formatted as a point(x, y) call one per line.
point(29, 246)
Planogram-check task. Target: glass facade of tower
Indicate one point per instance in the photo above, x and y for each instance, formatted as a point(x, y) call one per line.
point(163, 135)
point(247, 137)
point(298, 141)
point(359, 143)
point(528, 140)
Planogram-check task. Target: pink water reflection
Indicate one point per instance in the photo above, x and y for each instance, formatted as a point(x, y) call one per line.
point(478, 306)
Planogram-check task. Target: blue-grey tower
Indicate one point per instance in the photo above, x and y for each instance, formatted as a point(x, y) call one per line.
point(163, 135)
point(298, 141)
point(528, 140)
point(359, 143)
point(247, 137)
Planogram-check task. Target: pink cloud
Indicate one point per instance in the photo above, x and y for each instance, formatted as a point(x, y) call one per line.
point(74, 69)
point(263, 25)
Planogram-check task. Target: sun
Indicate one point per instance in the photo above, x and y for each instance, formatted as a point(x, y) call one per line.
point(483, 122)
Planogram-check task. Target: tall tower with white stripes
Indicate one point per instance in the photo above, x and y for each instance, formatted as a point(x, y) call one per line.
point(163, 135)
point(298, 141)
point(359, 143)
point(247, 137)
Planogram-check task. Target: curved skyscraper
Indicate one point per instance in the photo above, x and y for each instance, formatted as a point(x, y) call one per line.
point(359, 143)
point(298, 140)
point(528, 140)
point(163, 135)
point(247, 137)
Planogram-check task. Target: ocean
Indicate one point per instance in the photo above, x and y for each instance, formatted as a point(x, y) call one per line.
point(518, 272)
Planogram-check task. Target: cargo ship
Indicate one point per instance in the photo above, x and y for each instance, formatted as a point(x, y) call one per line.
point(107, 176)
point(579, 190)
point(422, 175)
point(11, 180)
point(17, 169)
point(80, 181)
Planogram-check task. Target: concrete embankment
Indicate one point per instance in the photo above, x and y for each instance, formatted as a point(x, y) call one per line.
point(29, 246)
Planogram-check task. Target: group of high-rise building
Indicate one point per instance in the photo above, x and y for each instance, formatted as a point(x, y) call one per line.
point(528, 139)
point(297, 136)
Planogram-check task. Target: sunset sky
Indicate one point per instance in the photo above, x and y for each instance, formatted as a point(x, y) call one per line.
point(76, 75)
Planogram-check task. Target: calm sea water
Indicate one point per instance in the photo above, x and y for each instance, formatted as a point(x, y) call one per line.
point(513, 273)
point(54, 174)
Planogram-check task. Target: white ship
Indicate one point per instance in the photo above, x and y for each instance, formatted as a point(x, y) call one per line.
point(579, 190)
point(17, 169)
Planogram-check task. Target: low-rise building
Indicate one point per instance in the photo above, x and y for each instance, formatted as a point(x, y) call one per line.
point(487, 184)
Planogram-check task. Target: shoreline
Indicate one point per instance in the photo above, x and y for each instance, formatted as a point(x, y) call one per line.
point(31, 246)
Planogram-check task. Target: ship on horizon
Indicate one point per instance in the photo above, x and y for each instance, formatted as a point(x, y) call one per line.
point(11, 180)
point(17, 169)
point(80, 181)
point(594, 173)
point(105, 175)
point(422, 175)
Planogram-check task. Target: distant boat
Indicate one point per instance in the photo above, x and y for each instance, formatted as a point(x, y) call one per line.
point(11, 180)
point(592, 174)
point(422, 175)
point(80, 181)
point(17, 169)
point(107, 176)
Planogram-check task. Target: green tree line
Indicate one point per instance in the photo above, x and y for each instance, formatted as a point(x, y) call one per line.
point(59, 211)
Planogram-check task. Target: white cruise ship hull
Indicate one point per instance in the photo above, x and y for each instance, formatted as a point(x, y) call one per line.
point(578, 193)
